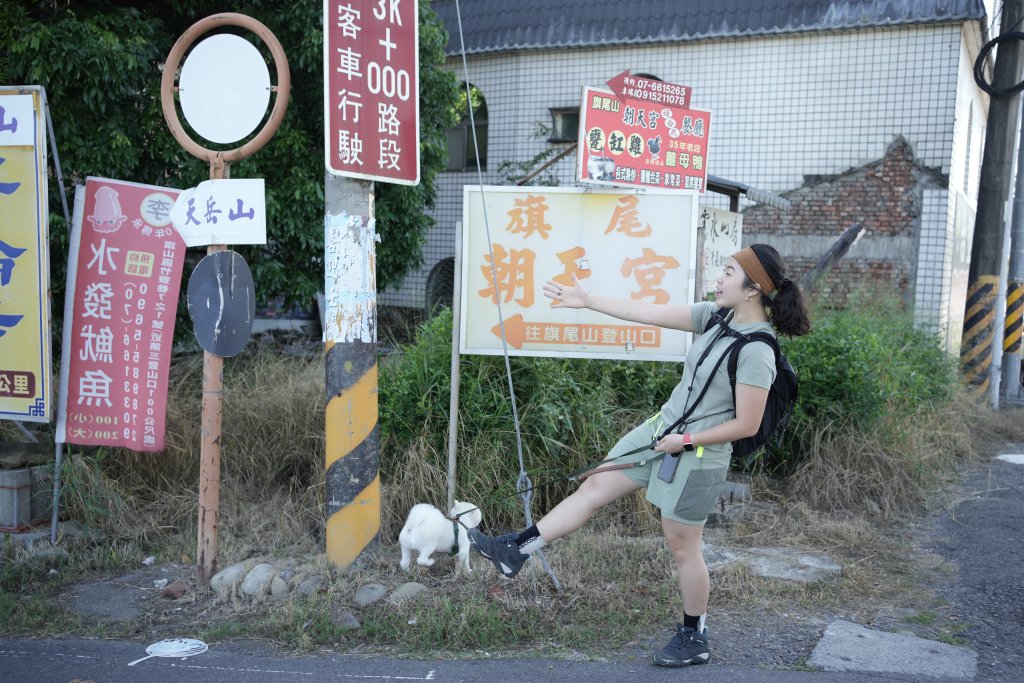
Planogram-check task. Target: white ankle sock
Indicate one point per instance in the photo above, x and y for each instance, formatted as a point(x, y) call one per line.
point(533, 545)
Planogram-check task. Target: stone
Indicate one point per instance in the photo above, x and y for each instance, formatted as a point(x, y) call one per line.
point(345, 620)
point(160, 583)
point(27, 539)
point(149, 561)
point(86, 533)
point(737, 512)
point(226, 580)
point(779, 563)
point(369, 594)
point(310, 586)
point(406, 591)
point(49, 557)
point(280, 588)
point(11, 461)
point(846, 646)
point(257, 581)
point(786, 563)
point(735, 492)
point(718, 558)
point(173, 591)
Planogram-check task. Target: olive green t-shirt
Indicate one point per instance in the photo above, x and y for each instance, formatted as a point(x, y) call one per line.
point(756, 367)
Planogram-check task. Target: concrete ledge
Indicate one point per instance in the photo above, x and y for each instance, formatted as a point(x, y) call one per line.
point(846, 646)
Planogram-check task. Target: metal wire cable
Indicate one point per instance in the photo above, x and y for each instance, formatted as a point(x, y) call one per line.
point(523, 481)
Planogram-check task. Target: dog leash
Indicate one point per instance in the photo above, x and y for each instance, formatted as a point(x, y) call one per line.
point(578, 475)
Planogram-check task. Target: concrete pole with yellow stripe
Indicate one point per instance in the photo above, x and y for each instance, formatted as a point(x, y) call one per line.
point(352, 475)
point(976, 349)
point(981, 342)
point(1012, 339)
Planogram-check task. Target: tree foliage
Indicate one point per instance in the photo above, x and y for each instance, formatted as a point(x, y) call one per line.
point(100, 63)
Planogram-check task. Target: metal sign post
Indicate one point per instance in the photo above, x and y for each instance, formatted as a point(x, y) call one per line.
point(222, 110)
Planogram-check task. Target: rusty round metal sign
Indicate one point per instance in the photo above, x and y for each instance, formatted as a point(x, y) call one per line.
point(167, 87)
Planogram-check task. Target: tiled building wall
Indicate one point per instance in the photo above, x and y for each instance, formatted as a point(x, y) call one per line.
point(787, 111)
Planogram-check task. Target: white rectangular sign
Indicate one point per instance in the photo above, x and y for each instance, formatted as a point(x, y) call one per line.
point(723, 234)
point(629, 243)
point(222, 212)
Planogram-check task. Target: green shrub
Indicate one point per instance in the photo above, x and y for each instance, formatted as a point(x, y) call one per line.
point(571, 412)
point(860, 365)
point(858, 369)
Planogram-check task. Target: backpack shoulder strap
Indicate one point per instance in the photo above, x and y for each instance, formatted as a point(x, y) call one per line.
point(719, 314)
point(734, 354)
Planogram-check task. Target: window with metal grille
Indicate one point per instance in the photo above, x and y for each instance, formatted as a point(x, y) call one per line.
point(462, 150)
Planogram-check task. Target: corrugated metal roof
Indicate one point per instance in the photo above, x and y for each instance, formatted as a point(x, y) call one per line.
point(501, 25)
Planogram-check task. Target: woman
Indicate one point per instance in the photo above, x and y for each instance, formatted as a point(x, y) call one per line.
point(755, 289)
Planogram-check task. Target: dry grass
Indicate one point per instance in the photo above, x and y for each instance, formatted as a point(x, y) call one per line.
point(273, 455)
point(841, 501)
point(890, 472)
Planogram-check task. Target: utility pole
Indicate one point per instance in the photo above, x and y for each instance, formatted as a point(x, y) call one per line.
point(371, 134)
point(978, 352)
point(1013, 301)
point(350, 356)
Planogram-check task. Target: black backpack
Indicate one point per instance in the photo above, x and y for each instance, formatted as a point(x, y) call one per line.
point(781, 396)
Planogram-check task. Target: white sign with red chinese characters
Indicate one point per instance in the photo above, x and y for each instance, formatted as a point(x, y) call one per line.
point(371, 82)
point(628, 244)
point(222, 212)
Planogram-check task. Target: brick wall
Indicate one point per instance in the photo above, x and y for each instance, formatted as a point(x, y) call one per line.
point(885, 196)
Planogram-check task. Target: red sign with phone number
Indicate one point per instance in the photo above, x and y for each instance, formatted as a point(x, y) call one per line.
point(124, 275)
point(637, 143)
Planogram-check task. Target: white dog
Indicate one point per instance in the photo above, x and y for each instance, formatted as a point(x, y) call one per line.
point(427, 530)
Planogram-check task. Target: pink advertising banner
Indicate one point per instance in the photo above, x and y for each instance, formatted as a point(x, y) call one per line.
point(124, 274)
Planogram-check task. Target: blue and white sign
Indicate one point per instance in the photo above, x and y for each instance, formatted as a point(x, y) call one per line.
point(222, 212)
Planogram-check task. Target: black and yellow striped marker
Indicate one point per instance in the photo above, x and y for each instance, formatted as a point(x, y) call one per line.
point(1014, 320)
point(352, 477)
point(979, 333)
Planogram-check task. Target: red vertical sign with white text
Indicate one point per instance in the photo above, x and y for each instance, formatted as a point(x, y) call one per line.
point(124, 275)
point(371, 81)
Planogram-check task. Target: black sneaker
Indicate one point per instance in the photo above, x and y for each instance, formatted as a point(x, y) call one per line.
point(688, 646)
point(503, 551)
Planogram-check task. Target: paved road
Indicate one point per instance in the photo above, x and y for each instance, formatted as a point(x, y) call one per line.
point(983, 534)
point(106, 662)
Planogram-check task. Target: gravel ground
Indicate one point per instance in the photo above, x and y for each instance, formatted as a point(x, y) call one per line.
point(973, 596)
point(973, 590)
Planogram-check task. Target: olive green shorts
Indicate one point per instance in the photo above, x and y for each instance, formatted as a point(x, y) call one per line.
point(694, 491)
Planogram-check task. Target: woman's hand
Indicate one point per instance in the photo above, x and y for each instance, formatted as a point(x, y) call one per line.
point(567, 297)
point(671, 443)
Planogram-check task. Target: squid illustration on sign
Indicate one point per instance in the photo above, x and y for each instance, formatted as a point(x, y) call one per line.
point(107, 215)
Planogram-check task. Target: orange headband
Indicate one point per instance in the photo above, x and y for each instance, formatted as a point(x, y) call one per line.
point(751, 265)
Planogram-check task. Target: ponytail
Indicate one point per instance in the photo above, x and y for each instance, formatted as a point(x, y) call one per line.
point(787, 310)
